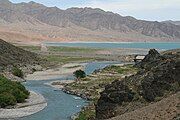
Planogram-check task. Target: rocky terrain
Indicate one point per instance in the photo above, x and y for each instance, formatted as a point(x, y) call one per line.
point(166, 109)
point(15, 62)
point(12, 55)
point(89, 88)
point(35, 21)
point(173, 22)
point(157, 79)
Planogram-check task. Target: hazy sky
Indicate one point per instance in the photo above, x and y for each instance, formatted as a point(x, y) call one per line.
point(142, 9)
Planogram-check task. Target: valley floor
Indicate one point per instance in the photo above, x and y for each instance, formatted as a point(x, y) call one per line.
point(59, 71)
point(63, 61)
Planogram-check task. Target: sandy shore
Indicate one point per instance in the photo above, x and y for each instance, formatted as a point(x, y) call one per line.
point(61, 71)
point(34, 104)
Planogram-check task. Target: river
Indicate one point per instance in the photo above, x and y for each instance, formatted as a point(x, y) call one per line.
point(61, 106)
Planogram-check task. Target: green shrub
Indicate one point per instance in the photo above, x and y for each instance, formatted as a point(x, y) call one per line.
point(86, 114)
point(11, 92)
point(19, 95)
point(19, 86)
point(79, 74)
point(17, 72)
point(7, 99)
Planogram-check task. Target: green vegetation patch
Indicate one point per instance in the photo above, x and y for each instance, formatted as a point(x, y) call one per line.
point(11, 92)
point(70, 49)
point(87, 113)
point(17, 72)
point(31, 48)
point(64, 59)
point(120, 69)
point(91, 86)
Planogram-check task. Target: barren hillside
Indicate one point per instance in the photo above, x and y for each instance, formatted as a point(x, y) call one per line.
point(38, 22)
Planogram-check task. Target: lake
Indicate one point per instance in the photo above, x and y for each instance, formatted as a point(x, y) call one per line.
point(160, 46)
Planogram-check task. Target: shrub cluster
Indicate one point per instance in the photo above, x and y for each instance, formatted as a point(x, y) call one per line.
point(17, 72)
point(79, 74)
point(11, 92)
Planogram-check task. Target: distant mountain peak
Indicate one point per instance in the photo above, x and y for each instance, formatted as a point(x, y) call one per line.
point(172, 22)
point(5, 2)
point(86, 8)
point(32, 2)
point(88, 18)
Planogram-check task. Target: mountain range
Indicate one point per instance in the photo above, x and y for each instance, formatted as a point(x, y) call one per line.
point(36, 22)
point(173, 22)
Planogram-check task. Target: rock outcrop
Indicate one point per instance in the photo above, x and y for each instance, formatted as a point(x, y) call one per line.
point(150, 59)
point(157, 78)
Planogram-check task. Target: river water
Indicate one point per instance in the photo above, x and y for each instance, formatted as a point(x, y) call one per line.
point(61, 106)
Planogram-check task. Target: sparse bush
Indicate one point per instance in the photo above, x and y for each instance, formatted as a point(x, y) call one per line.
point(17, 72)
point(34, 70)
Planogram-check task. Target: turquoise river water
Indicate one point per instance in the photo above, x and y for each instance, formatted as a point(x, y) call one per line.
point(61, 106)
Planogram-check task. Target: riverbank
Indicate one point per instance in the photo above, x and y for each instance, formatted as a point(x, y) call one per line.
point(89, 88)
point(59, 84)
point(35, 103)
point(53, 73)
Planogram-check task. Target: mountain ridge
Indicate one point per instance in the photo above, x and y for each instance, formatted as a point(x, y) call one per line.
point(172, 22)
point(107, 25)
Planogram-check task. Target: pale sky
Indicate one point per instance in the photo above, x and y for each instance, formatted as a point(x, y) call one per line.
point(154, 10)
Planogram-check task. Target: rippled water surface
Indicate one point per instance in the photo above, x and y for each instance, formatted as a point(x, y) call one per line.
point(60, 105)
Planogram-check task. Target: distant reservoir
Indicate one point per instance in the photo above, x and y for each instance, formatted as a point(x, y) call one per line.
point(149, 45)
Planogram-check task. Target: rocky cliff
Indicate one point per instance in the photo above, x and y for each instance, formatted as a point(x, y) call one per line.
point(157, 78)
